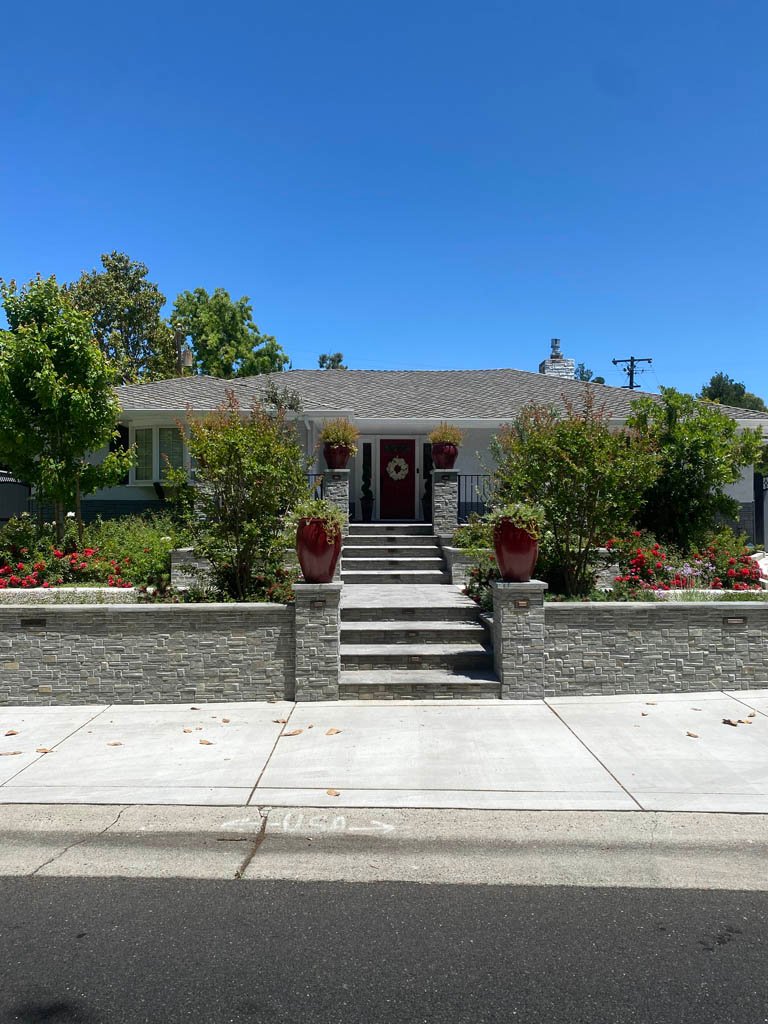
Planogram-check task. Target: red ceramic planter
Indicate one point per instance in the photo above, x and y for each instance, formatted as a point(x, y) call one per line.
point(444, 455)
point(336, 455)
point(317, 557)
point(516, 552)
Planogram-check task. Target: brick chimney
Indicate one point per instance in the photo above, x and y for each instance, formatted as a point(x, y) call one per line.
point(557, 365)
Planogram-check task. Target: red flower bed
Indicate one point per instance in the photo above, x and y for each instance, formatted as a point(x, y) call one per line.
point(58, 568)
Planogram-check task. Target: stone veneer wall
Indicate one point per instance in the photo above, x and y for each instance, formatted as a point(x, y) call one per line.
point(655, 648)
point(134, 654)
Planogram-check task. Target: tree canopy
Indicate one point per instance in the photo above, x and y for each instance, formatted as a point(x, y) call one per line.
point(223, 337)
point(583, 373)
point(125, 317)
point(57, 402)
point(701, 451)
point(331, 361)
point(725, 390)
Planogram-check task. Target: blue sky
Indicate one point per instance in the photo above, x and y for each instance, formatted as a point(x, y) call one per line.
point(417, 184)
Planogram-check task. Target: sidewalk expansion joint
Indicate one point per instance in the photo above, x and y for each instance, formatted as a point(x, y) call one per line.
point(79, 842)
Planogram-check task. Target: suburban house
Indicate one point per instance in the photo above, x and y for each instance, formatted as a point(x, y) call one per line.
point(394, 411)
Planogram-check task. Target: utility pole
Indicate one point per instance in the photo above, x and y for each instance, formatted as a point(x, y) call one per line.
point(630, 369)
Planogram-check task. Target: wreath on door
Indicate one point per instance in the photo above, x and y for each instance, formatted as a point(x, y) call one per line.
point(397, 468)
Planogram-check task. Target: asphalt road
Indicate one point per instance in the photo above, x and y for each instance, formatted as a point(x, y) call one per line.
point(91, 950)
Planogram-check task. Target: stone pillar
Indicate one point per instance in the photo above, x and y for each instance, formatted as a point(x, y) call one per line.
point(519, 638)
point(445, 503)
point(318, 658)
point(336, 490)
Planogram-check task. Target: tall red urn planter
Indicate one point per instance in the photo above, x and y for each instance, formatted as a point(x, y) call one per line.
point(444, 455)
point(336, 455)
point(317, 556)
point(516, 552)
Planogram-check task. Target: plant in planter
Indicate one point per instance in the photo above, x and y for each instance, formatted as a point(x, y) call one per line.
point(516, 531)
point(318, 538)
point(339, 440)
point(446, 441)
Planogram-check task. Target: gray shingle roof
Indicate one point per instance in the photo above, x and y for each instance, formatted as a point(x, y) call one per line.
point(391, 394)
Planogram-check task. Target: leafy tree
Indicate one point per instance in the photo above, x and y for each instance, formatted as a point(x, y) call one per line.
point(251, 471)
point(225, 340)
point(125, 310)
point(583, 373)
point(701, 451)
point(588, 477)
point(725, 390)
point(57, 403)
point(331, 361)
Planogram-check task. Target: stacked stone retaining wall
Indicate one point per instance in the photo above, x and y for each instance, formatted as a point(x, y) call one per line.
point(132, 654)
point(620, 647)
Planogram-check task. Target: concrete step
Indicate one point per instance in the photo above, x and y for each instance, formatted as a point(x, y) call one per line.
point(407, 656)
point(384, 550)
point(377, 577)
point(393, 563)
point(376, 540)
point(397, 633)
point(410, 529)
point(418, 684)
point(408, 614)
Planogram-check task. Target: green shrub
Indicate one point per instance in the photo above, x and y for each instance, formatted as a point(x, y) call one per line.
point(475, 533)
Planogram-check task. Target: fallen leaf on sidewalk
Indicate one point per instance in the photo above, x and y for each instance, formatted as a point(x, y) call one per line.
point(12, 732)
point(195, 709)
point(333, 732)
point(730, 721)
point(332, 792)
point(745, 721)
point(644, 714)
point(186, 730)
point(294, 732)
point(206, 743)
point(226, 721)
point(693, 735)
point(9, 753)
point(310, 727)
point(43, 750)
point(654, 702)
point(752, 714)
point(280, 721)
point(115, 743)
point(695, 709)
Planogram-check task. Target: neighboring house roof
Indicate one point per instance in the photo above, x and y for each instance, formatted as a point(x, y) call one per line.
point(7, 477)
point(392, 394)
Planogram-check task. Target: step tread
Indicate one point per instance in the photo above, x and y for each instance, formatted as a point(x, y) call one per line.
point(400, 625)
point(416, 677)
point(409, 560)
point(412, 650)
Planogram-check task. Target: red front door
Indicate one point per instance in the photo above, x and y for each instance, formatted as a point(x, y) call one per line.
point(397, 478)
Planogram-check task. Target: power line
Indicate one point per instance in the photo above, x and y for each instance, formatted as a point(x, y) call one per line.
point(630, 368)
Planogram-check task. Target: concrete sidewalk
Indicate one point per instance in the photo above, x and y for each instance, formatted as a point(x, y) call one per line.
point(667, 752)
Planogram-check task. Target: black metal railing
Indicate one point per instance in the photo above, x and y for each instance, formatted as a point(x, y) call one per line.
point(475, 490)
point(316, 484)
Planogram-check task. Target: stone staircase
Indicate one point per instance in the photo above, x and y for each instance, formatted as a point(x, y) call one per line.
point(392, 553)
point(405, 632)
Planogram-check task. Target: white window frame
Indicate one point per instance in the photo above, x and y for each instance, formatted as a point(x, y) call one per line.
point(156, 469)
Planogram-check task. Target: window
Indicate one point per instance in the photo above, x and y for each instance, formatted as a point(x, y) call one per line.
point(144, 454)
point(157, 448)
point(171, 449)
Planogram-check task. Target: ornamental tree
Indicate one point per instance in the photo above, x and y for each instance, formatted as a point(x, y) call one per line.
point(589, 478)
point(125, 309)
point(221, 332)
point(57, 402)
point(250, 472)
point(701, 450)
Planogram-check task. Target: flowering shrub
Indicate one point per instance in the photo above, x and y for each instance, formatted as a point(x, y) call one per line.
point(723, 564)
point(58, 568)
